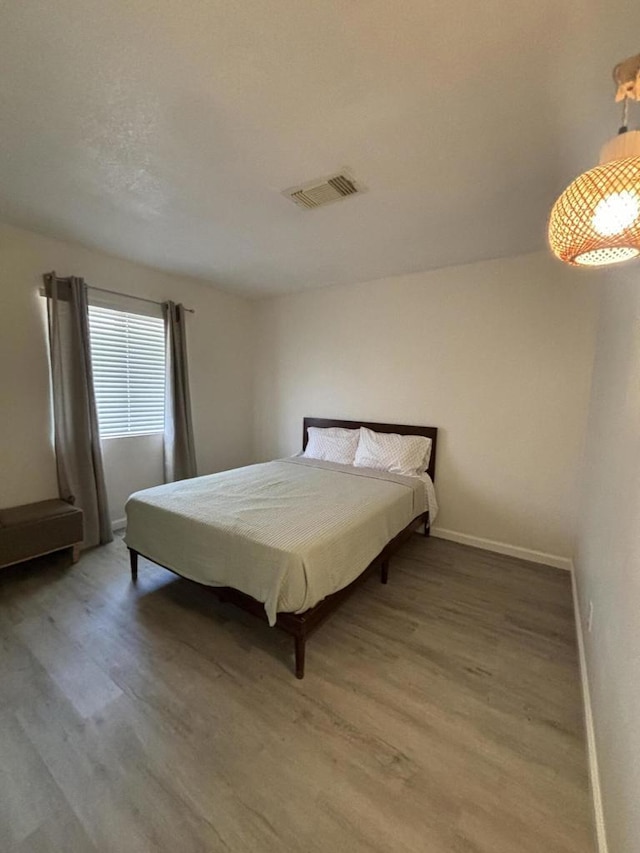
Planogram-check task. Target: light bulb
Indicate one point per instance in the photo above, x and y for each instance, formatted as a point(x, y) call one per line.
point(615, 213)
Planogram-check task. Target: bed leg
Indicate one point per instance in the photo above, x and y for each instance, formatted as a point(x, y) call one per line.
point(133, 559)
point(427, 526)
point(300, 641)
point(384, 571)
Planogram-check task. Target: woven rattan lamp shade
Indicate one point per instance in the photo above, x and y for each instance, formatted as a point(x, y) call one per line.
point(596, 220)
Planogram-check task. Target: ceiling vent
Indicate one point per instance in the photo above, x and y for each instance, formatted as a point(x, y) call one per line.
point(324, 191)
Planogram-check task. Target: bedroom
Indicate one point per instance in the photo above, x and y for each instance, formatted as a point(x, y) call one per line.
point(146, 150)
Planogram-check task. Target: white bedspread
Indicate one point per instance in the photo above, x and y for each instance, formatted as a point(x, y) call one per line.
point(288, 532)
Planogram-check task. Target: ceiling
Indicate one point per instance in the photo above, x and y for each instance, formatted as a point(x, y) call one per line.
point(165, 130)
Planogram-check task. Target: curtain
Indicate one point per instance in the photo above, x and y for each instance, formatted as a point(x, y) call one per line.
point(76, 435)
point(179, 449)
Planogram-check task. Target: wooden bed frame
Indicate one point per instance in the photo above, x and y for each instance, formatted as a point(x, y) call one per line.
point(301, 625)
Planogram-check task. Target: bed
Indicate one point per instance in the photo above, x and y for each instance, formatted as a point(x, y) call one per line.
point(286, 540)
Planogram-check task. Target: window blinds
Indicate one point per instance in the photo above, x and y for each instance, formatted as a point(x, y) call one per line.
point(127, 353)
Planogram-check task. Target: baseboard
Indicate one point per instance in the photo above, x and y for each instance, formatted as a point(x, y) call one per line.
point(118, 524)
point(503, 548)
point(592, 755)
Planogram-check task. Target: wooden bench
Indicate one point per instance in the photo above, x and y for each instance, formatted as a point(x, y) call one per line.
point(40, 528)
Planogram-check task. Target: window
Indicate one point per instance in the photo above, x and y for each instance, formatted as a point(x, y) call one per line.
point(127, 352)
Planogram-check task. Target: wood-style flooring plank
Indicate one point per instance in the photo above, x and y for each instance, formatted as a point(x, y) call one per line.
point(29, 794)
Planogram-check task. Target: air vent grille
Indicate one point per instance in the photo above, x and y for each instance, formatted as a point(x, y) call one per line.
point(323, 191)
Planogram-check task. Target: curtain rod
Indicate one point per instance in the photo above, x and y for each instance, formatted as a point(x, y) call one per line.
point(129, 296)
point(126, 295)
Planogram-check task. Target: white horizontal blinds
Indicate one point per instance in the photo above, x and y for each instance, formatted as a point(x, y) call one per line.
point(128, 353)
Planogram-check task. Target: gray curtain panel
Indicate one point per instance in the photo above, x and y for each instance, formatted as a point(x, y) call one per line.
point(77, 439)
point(179, 447)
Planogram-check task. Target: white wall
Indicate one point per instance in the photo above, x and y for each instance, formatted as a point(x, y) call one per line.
point(131, 463)
point(608, 556)
point(497, 354)
point(220, 362)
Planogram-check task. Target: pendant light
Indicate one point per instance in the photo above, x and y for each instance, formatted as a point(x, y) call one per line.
point(596, 220)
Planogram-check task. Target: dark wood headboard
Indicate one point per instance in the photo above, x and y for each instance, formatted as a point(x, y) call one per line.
point(401, 429)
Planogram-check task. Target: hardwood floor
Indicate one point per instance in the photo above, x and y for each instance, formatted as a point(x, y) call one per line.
point(439, 714)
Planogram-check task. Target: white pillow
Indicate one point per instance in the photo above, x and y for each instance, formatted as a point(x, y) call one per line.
point(427, 457)
point(333, 444)
point(398, 454)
